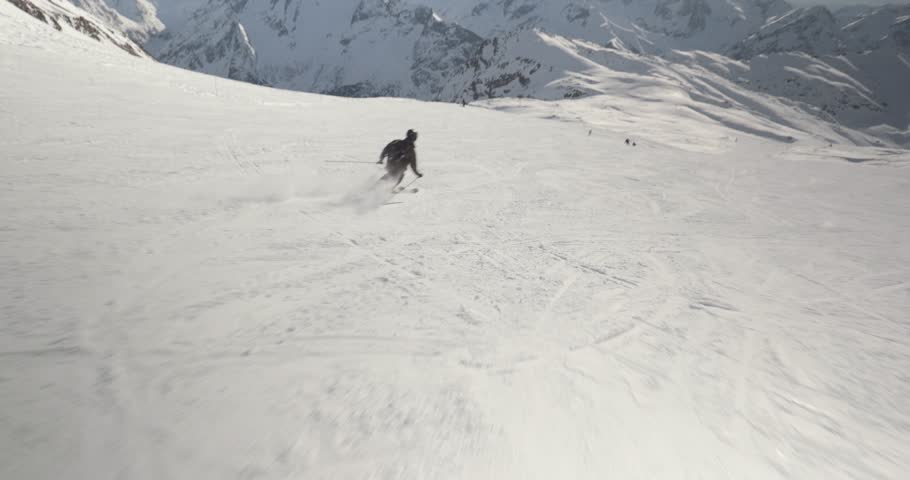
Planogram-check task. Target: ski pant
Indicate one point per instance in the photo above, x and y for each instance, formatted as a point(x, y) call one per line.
point(396, 174)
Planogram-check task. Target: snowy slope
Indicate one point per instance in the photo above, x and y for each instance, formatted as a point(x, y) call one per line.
point(71, 20)
point(192, 290)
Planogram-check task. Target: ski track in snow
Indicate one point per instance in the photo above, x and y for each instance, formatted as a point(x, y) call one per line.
point(196, 285)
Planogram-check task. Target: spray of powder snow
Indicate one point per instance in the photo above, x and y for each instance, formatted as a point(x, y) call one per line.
point(358, 193)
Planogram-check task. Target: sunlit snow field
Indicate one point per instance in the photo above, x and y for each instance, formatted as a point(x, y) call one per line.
point(197, 285)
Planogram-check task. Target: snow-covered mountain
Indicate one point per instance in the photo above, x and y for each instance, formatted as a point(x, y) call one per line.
point(844, 67)
point(816, 31)
point(136, 18)
point(809, 30)
point(885, 27)
point(538, 65)
point(852, 66)
point(647, 25)
point(847, 70)
point(329, 47)
point(332, 46)
point(224, 49)
point(69, 19)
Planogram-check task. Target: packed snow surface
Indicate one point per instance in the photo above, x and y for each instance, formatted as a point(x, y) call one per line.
point(196, 284)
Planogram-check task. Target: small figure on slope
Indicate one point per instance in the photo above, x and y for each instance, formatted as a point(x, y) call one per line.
point(400, 154)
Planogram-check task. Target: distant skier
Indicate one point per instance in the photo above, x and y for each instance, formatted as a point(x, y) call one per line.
point(627, 141)
point(400, 155)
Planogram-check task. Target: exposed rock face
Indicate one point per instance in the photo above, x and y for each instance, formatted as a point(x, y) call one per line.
point(62, 16)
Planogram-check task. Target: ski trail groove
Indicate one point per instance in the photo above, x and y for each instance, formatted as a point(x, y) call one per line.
point(742, 380)
point(545, 315)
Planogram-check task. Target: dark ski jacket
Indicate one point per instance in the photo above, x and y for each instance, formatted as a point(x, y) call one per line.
point(401, 154)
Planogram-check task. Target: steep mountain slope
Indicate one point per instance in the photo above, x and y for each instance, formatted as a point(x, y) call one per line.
point(650, 26)
point(777, 92)
point(69, 19)
point(328, 47)
point(878, 28)
point(813, 31)
point(136, 18)
point(855, 68)
point(172, 14)
point(852, 76)
point(194, 284)
point(817, 32)
point(224, 49)
point(844, 68)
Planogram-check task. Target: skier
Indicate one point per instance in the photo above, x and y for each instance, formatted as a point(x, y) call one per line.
point(400, 154)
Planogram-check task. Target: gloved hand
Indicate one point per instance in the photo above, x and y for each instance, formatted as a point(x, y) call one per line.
point(419, 175)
